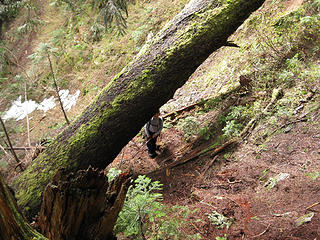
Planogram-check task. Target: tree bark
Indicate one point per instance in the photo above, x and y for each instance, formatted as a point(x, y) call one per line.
point(81, 205)
point(12, 223)
point(117, 114)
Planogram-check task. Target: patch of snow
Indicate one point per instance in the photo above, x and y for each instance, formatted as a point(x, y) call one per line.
point(19, 109)
point(47, 104)
point(68, 100)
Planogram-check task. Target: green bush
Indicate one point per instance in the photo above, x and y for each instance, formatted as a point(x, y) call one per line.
point(219, 220)
point(144, 216)
point(190, 126)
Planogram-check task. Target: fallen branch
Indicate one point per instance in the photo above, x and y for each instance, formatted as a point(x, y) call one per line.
point(194, 155)
point(18, 165)
point(208, 166)
point(200, 103)
point(276, 95)
point(11, 148)
point(186, 108)
point(313, 205)
point(259, 235)
point(303, 119)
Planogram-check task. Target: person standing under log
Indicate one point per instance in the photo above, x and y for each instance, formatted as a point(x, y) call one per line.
point(153, 129)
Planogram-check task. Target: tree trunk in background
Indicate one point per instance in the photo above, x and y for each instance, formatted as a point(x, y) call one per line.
point(81, 205)
point(117, 114)
point(12, 224)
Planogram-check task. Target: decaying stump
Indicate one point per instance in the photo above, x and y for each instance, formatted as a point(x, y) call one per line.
point(13, 225)
point(81, 205)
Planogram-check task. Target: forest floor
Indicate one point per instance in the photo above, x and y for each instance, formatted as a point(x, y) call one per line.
point(264, 190)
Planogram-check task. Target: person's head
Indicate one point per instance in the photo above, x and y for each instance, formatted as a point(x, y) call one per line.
point(157, 114)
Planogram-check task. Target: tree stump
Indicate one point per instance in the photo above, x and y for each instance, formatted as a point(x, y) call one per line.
point(12, 223)
point(81, 205)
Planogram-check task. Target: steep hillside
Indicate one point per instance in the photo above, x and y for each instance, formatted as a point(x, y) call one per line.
point(235, 148)
point(241, 143)
point(81, 62)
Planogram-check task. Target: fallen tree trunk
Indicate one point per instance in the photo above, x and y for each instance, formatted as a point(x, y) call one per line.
point(117, 114)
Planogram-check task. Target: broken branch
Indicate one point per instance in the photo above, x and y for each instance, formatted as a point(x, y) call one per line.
point(313, 205)
point(11, 148)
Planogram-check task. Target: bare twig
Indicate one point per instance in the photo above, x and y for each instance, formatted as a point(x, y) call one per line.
point(195, 227)
point(5, 142)
point(57, 90)
point(313, 205)
point(11, 148)
point(17, 63)
point(27, 115)
point(202, 202)
point(260, 234)
point(4, 150)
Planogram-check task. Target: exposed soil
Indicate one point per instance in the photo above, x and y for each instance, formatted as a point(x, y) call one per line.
point(237, 185)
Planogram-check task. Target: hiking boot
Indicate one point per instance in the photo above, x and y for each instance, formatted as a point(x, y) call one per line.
point(153, 154)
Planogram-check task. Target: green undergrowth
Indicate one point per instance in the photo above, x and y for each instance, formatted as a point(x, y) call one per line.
point(278, 49)
point(144, 216)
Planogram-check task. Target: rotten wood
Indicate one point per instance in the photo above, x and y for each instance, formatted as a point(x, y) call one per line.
point(82, 205)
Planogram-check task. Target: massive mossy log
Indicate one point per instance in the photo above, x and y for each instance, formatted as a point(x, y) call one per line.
point(81, 205)
point(117, 114)
point(12, 223)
